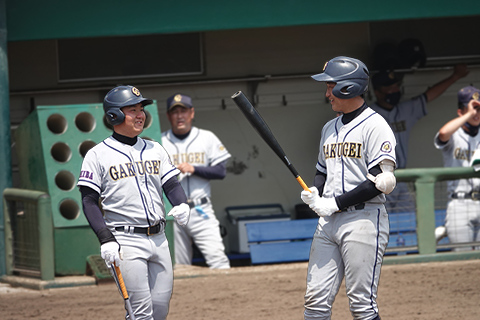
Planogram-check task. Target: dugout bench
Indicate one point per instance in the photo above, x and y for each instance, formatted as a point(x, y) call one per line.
point(238, 217)
point(290, 241)
point(280, 241)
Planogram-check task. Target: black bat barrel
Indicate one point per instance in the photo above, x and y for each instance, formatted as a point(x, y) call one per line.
point(261, 127)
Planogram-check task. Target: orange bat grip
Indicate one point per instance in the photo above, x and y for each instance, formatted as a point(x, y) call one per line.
point(121, 283)
point(302, 183)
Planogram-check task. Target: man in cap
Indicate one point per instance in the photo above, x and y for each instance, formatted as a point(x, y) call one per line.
point(201, 157)
point(458, 139)
point(402, 116)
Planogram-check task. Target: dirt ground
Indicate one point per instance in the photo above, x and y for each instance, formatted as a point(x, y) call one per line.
point(427, 291)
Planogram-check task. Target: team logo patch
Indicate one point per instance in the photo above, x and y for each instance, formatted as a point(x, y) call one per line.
point(325, 66)
point(178, 98)
point(386, 147)
point(136, 92)
point(475, 96)
point(222, 148)
point(391, 75)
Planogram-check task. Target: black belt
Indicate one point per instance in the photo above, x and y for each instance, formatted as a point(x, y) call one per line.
point(360, 206)
point(197, 202)
point(143, 230)
point(474, 195)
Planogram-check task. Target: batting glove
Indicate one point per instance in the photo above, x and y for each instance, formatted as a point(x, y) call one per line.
point(181, 213)
point(324, 207)
point(309, 196)
point(111, 253)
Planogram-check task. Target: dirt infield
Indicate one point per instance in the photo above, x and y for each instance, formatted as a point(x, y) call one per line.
point(427, 291)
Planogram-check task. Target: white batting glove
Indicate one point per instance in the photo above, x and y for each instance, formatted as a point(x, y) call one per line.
point(181, 213)
point(111, 253)
point(324, 207)
point(309, 197)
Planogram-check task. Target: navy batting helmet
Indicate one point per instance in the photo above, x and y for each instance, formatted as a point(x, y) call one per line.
point(120, 97)
point(349, 74)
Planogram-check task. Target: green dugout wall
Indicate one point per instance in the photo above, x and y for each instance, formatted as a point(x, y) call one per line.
point(51, 144)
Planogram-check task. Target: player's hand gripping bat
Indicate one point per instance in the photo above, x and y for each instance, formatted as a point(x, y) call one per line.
point(261, 126)
point(117, 275)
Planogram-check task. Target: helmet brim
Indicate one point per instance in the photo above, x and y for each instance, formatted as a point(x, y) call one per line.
point(322, 77)
point(146, 102)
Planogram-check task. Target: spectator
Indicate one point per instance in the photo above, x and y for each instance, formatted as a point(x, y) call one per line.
point(201, 157)
point(402, 116)
point(458, 139)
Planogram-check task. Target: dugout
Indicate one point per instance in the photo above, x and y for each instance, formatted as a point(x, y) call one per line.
point(267, 50)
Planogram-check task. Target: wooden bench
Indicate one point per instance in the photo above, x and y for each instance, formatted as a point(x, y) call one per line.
point(280, 241)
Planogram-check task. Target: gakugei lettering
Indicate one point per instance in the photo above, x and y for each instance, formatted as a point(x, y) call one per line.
point(139, 168)
point(191, 157)
point(343, 149)
point(462, 154)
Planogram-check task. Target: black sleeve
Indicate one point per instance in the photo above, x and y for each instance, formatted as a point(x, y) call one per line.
point(94, 215)
point(362, 193)
point(319, 181)
point(216, 172)
point(174, 192)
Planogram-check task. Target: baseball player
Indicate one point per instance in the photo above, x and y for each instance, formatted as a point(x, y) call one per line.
point(402, 116)
point(354, 172)
point(201, 157)
point(458, 139)
point(129, 174)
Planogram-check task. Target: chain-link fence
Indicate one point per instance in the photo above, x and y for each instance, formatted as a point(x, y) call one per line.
point(28, 234)
point(418, 209)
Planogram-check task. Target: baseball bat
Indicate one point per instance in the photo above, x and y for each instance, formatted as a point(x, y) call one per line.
point(117, 275)
point(264, 131)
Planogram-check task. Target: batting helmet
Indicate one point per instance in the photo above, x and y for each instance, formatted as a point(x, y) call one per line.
point(349, 74)
point(118, 98)
point(412, 53)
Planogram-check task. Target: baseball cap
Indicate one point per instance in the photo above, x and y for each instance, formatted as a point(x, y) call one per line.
point(179, 99)
point(468, 93)
point(385, 78)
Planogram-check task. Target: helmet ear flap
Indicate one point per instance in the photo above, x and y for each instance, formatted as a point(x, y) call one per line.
point(348, 89)
point(115, 116)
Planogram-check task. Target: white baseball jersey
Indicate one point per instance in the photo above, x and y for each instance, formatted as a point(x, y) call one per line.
point(457, 152)
point(201, 148)
point(348, 151)
point(463, 215)
point(129, 180)
point(402, 118)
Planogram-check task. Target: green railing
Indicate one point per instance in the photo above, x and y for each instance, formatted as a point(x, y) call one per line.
point(424, 180)
point(29, 243)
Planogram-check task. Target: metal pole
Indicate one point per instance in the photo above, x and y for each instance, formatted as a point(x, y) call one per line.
point(425, 188)
point(46, 238)
point(5, 151)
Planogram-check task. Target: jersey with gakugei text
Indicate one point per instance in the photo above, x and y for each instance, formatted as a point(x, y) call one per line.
point(201, 148)
point(348, 151)
point(402, 118)
point(129, 180)
point(457, 152)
